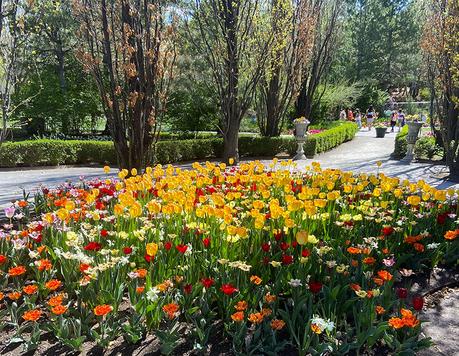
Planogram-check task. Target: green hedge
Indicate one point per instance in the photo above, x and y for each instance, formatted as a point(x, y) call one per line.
point(55, 152)
point(400, 143)
point(329, 139)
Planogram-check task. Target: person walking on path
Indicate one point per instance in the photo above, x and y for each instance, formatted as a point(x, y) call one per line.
point(342, 115)
point(371, 115)
point(393, 120)
point(401, 119)
point(358, 118)
point(350, 115)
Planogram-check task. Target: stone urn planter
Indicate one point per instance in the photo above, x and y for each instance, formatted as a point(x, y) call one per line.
point(381, 131)
point(413, 133)
point(301, 128)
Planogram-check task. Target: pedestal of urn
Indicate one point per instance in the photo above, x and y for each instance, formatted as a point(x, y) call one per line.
point(411, 138)
point(301, 128)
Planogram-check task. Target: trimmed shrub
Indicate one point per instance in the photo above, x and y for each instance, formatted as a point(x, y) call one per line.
point(187, 150)
point(56, 152)
point(400, 143)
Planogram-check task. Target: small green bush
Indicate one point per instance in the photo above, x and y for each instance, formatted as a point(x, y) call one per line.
point(400, 143)
point(55, 152)
point(426, 148)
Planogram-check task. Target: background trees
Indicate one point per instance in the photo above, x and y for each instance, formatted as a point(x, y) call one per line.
point(292, 26)
point(234, 40)
point(107, 66)
point(14, 50)
point(326, 35)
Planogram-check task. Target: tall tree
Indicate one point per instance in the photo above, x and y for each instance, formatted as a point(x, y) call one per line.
point(53, 28)
point(292, 26)
point(129, 48)
point(66, 99)
point(235, 43)
point(385, 35)
point(326, 36)
point(441, 48)
point(13, 49)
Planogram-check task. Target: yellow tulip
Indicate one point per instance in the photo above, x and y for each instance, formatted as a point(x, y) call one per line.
point(152, 249)
point(135, 210)
point(63, 214)
point(302, 237)
point(69, 205)
point(413, 200)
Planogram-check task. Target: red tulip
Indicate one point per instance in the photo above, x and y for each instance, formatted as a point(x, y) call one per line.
point(207, 282)
point(284, 246)
point(418, 303)
point(278, 235)
point(206, 242)
point(228, 289)
point(441, 218)
point(287, 259)
point(181, 248)
point(265, 247)
point(402, 293)
point(93, 246)
point(315, 287)
point(168, 245)
point(387, 230)
point(305, 253)
point(187, 288)
point(127, 250)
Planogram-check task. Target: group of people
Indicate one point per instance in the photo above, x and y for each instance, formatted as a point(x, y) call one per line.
point(348, 114)
point(397, 117)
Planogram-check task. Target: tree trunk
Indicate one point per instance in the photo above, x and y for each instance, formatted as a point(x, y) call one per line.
point(231, 143)
point(60, 54)
point(272, 106)
point(452, 133)
point(303, 104)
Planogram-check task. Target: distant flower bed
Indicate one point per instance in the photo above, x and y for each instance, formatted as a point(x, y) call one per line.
point(315, 131)
point(318, 260)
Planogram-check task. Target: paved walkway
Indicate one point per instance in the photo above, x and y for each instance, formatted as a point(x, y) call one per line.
point(359, 155)
point(365, 150)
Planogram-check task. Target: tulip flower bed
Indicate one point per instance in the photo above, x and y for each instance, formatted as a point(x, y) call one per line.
point(268, 259)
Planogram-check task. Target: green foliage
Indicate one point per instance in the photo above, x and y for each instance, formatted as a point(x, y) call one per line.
point(330, 138)
point(385, 36)
point(331, 98)
point(426, 148)
point(400, 143)
point(192, 109)
point(56, 152)
point(45, 107)
point(187, 150)
point(372, 95)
